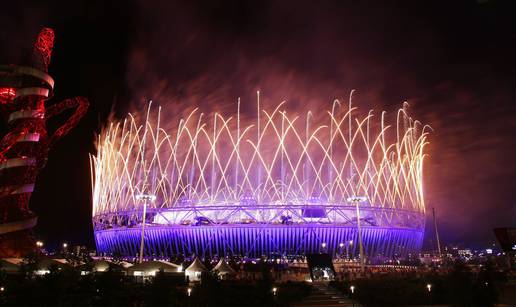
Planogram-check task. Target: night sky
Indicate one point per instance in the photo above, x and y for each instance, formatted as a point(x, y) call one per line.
point(453, 61)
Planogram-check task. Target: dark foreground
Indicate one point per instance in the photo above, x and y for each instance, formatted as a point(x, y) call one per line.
point(67, 287)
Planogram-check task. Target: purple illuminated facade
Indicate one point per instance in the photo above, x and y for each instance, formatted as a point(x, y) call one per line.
point(401, 237)
point(278, 186)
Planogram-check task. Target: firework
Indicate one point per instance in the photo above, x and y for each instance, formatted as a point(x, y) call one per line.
point(225, 184)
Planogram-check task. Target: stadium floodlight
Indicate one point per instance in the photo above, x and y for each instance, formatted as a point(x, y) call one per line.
point(145, 198)
point(356, 200)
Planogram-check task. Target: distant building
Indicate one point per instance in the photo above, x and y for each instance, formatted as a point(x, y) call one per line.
point(506, 236)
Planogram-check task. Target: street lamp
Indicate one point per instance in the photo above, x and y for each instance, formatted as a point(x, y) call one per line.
point(352, 288)
point(357, 200)
point(429, 287)
point(274, 290)
point(189, 291)
point(323, 246)
point(65, 245)
point(145, 198)
point(39, 244)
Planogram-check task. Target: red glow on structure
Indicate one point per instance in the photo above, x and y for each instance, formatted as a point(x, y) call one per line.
point(24, 148)
point(7, 94)
point(43, 48)
point(81, 106)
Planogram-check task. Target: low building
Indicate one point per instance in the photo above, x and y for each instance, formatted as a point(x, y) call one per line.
point(10, 265)
point(150, 268)
point(101, 266)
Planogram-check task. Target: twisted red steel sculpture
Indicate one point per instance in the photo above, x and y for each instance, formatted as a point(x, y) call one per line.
point(24, 148)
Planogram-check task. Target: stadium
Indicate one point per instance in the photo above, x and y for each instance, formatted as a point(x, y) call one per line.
point(276, 184)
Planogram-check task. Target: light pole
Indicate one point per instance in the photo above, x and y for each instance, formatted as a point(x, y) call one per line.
point(356, 200)
point(145, 198)
point(352, 288)
point(429, 288)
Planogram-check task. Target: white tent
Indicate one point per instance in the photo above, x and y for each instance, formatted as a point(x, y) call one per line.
point(223, 269)
point(194, 271)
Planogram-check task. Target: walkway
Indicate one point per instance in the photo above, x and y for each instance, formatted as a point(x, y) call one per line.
point(323, 295)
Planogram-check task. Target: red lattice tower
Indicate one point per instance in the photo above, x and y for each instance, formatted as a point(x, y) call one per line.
point(24, 148)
